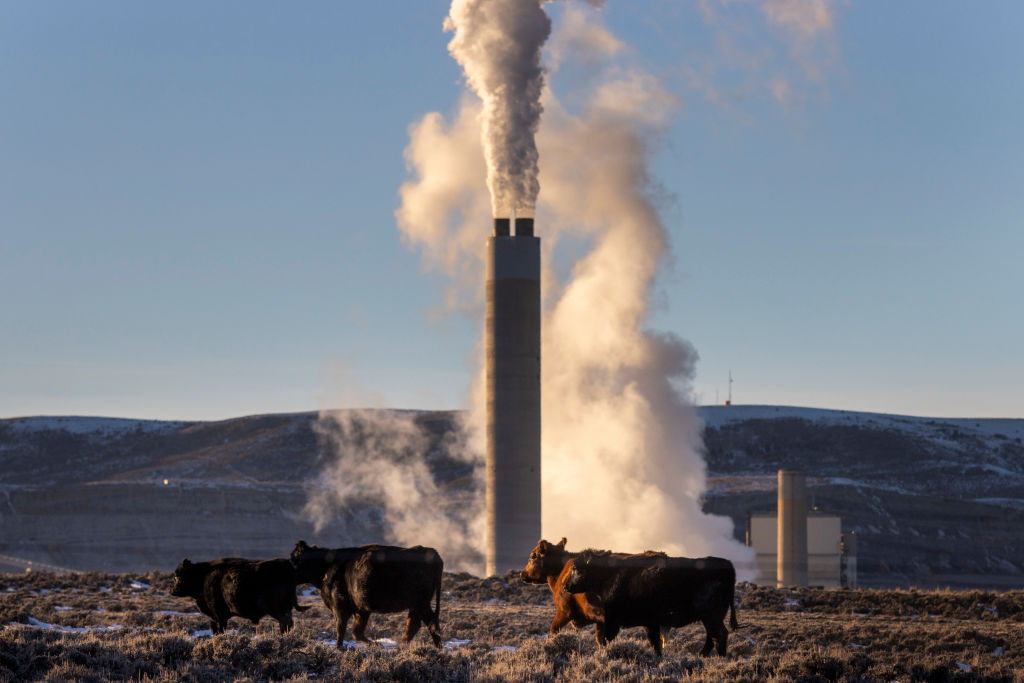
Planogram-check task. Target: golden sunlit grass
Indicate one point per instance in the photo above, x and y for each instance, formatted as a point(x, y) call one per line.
point(126, 627)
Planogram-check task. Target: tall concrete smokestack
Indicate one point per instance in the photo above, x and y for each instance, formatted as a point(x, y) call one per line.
point(792, 539)
point(512, 343)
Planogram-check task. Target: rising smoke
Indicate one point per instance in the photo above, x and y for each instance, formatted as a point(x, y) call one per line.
point(498, 44)
point(617, 424)
point(622, 465)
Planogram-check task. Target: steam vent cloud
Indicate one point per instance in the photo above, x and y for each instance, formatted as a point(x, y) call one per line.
point(622, 457)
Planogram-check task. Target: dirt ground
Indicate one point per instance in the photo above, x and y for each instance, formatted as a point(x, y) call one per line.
point(97, 627)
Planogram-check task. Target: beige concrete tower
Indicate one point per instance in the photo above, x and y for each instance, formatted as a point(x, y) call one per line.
point(512, 345)
point(792, 545)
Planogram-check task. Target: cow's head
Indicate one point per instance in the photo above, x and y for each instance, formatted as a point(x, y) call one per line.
point(579, 571)
point(184, 577)
point(547, 559)
point(309, 563)
point(300, 549)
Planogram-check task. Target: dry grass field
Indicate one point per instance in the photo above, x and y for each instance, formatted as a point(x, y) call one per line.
point(98, 627)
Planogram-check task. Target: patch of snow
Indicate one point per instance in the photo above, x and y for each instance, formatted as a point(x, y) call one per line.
point(505, 648)
point(139, 586)
point(32, 621)
point(386, 643)
point(1011, 428)
point(1012, 503)
point(858, 645)
point(201, 633)
point(495, 601)
point(790, 602)
point(170, 612)
point(77, 424)
point(998, 652)
point(456, 642)
point(61, 608)
point(964, 667)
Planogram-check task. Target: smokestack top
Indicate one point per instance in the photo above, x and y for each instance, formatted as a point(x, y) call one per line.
point(524, 227)
point(502, 227)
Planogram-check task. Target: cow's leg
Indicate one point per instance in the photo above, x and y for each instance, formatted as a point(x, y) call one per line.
point(424, 614)
point(721, 639)
point(359, 626)
point(654, 636)
point(215, 626)
point(412, 624)
point(602, 640)
point(717, 636)
point(285, 622)
point(341, 616)
point(611, 629)
point(561, 619)
point(708, 643)
point(435, 631)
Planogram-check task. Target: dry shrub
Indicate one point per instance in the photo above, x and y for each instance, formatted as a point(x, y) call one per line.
point(828, 636)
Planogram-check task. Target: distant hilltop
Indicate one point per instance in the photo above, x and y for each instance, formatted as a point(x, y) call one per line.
point(934, 501)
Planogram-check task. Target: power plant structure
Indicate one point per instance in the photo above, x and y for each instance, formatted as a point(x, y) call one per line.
point(512, 348)
point(792, 529)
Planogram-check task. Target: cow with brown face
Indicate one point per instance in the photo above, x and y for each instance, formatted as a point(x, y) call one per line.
point(658, 592)
point(236, 587)
point(551, 563)
point(375, 578)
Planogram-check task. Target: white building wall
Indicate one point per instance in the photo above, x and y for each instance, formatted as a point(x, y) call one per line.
point(824, 559)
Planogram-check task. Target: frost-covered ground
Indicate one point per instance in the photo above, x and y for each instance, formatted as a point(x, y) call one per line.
point(127, 627)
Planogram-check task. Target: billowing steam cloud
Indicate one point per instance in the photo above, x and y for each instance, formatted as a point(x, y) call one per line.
point(379, 465)
point(618, 429)
point(622, 465)
point(498, 45)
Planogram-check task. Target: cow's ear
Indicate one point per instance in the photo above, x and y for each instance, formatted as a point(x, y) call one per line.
point(301, 545)
point(185, 563)
point(544, 546)
point(561, 544)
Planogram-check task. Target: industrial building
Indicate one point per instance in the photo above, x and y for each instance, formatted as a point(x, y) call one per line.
point(809, 547)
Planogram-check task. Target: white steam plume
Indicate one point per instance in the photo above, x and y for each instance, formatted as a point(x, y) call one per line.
point(621, 444)
point(498, 44)
point(378, 462)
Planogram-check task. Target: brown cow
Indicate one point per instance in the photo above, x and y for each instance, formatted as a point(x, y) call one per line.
point(551, 563)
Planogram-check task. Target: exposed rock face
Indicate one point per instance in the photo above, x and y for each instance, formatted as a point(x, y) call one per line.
point(933, 502)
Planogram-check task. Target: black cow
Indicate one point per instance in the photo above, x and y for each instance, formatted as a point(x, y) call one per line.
point(236, 587)
point(656, 592)
point(375, 578)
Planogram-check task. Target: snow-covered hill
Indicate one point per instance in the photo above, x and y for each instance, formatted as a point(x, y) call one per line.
point(934, 501)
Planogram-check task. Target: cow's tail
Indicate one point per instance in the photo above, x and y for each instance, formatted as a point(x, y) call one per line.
point(295, 603)
point(732, 602)
point(437, 593)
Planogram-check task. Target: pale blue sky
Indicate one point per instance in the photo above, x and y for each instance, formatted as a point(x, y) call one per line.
point(196, 207)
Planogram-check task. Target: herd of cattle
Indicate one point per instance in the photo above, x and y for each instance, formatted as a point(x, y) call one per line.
point(611, 590)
